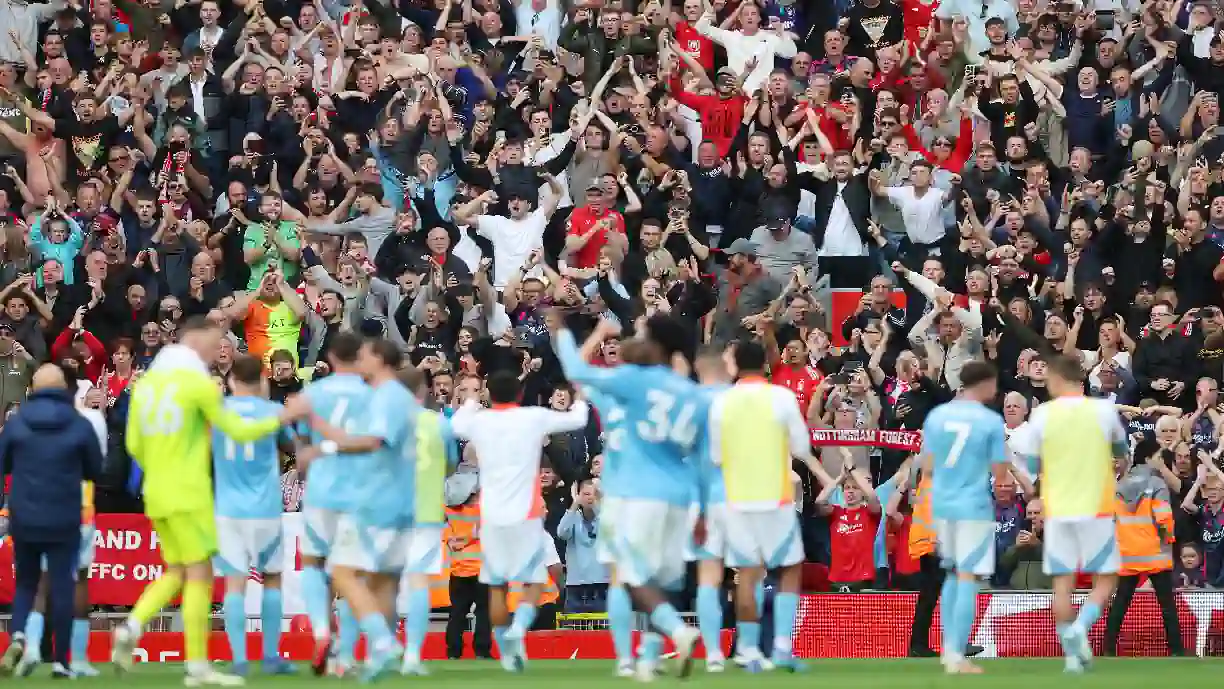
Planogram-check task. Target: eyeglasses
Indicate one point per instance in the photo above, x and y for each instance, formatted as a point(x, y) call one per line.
point(942, 142)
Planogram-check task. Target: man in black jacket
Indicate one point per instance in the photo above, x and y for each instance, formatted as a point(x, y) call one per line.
point(49, 449)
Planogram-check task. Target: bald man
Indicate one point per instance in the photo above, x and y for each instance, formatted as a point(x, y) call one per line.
point(49, 449)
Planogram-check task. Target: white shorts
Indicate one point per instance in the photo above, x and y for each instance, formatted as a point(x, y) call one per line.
point(768, 538)
point(425, 550)
point(715, 545)
point(320, 531)
point(966, 545)
point(246, 544)
point(647, 540)
point(85, 553)
point(366, 548)
point(515, 553)
point(1088, 544)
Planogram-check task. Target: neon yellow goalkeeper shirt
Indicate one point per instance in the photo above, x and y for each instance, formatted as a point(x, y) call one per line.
point(173, 406)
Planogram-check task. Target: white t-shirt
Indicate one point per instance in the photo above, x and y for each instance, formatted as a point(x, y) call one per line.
point(841, 237)
point(513, 241)
point(508, 443)
point(922, 215)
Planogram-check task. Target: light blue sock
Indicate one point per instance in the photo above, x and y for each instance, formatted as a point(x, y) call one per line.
point(271, 610)
point(499, 636)
point(620, 622)
point(758, 594)
point(524, 616)
point(947, 615)
point(234, 606)
point(350, 631)
point(1089, 613)
point(34, 629)
point(651, 646)
point(80, 640)
point(416, 624)
point(966, 611)
point(378, 634)
point(709, 619)
point(666, 619)
point(748, 637)
point(786, 606)
point(1061, 628)
point(318, 605)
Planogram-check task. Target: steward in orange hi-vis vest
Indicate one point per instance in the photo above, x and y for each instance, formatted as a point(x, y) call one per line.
point(1145, 522)
point(922, 529)
point(1145, 539)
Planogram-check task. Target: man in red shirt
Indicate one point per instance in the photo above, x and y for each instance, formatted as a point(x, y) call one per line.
point(720, 114)
point(852, 528)
point(591, 227)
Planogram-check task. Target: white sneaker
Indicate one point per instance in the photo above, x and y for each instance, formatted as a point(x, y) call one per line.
point(716, 665)
point(123, 646)
point(210, 677)
point(1075, 641)
point(29, 662)
point(413, 667)
point(645, 669)
point(83, 669)
point(624, 668)
point(685, 639)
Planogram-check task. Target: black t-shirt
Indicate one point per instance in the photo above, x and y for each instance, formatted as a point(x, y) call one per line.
point(89, 143)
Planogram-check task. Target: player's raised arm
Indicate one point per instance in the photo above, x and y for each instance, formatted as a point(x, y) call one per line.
point(561, 421)
point(207, 398)
point(463, 423)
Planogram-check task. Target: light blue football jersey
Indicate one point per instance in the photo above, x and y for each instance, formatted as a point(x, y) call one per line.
point(247, 475)
point(333, 482)
point(661, 418)
point(965, 440)
point(388, 488)
point(711, 490)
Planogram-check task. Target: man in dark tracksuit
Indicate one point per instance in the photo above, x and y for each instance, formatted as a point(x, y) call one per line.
point(49, 449)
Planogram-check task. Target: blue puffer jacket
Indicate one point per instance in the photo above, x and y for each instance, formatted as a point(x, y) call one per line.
point(49, 449)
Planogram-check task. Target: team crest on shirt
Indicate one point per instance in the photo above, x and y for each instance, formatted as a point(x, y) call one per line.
point(874, 27)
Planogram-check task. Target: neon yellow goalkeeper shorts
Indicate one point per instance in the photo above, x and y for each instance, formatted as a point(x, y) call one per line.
point(187, 538)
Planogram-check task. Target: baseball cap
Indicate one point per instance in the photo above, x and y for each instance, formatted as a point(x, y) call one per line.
point(741, 246)
point(995, 21)
point(5, 328)
point(727, 72)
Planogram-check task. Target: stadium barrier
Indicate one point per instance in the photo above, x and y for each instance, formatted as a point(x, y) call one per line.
point(863, 625)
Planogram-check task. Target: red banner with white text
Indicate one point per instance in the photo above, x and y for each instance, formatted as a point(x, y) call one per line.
point(867, 437)
point(126, 559)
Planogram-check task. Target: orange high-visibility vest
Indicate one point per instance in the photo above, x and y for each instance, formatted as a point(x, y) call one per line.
point(922, 528)
point(463, 522)
point(1145, 536)
point(550, 594)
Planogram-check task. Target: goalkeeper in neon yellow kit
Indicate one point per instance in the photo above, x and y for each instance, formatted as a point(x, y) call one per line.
point(173, 407)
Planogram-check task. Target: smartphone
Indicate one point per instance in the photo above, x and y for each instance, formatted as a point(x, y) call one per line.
point(1104, 20)
point(255, 146)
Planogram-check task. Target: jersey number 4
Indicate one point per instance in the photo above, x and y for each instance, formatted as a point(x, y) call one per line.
point(661, 426)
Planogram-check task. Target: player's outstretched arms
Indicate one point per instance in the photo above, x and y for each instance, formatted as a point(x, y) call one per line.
point(207, 397)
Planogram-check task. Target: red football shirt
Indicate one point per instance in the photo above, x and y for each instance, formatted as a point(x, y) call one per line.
point(801, 380)
point(852, 532)
point(693, 43)
point(580, 222)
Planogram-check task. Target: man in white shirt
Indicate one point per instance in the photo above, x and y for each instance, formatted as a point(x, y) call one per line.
point(508, 441)
point(516, 236)
point(748, 45)
point(540, 18)
point(920, 204)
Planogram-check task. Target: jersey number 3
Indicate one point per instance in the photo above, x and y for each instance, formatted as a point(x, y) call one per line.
point(660, 426)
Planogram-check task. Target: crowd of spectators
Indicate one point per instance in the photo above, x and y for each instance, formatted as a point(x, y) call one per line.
point(1004, 180)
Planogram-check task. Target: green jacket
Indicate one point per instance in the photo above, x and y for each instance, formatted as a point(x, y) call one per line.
point(598, 51)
